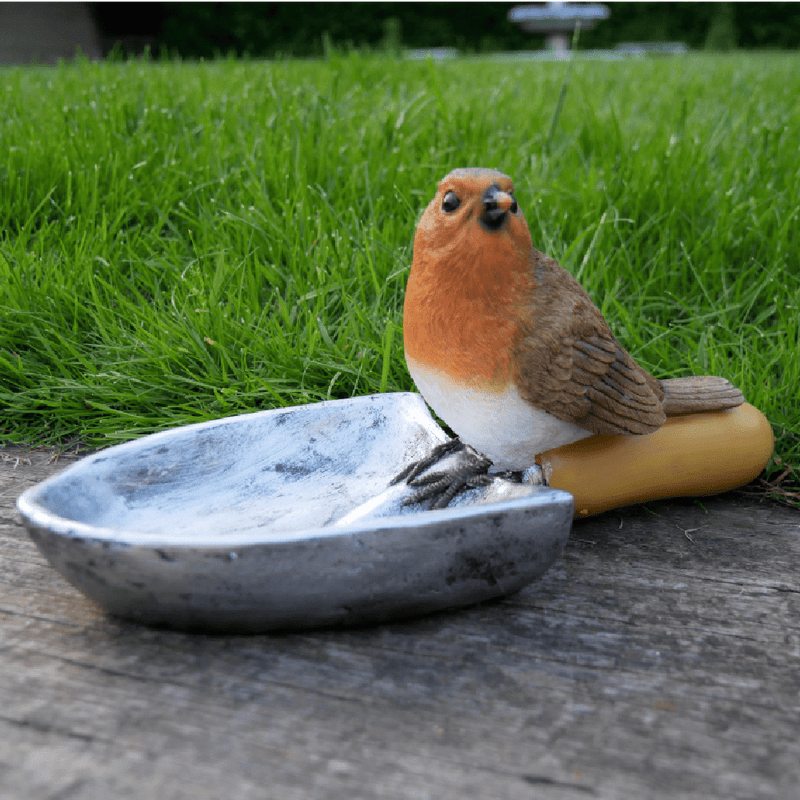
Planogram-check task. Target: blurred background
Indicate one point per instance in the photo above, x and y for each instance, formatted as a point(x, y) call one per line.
point(46, 32)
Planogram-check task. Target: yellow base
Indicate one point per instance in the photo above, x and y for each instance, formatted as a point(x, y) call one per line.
point(693, 455)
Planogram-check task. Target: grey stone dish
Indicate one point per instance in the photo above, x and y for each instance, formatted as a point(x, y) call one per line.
point(284, 519)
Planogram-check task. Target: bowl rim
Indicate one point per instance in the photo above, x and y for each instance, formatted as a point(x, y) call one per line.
point(38, 516)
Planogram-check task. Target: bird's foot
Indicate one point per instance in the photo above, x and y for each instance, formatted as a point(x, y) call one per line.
point(439, 488)
point(437, 454)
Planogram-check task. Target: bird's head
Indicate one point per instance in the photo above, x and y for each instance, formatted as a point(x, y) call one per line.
point(475, 219)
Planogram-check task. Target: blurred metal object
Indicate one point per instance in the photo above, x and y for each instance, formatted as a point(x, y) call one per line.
point(558, 20)
point(283, 519)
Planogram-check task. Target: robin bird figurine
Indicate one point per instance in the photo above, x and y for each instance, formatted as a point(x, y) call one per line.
point(508, 348)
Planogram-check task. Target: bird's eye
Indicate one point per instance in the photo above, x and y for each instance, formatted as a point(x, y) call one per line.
point(513, 207)
point(450, 203)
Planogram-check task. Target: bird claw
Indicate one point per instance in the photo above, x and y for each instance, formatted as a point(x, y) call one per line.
point(437, 454)
point(448, 485)
point(444, 485)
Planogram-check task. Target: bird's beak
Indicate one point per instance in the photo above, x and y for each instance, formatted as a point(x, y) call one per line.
point(496, 205)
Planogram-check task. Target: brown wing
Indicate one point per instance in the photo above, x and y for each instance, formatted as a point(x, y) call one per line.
point(569, 364)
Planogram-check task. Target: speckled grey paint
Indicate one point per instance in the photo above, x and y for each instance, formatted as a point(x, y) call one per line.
point(284, 519)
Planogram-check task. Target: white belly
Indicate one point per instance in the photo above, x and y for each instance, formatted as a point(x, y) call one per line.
point(501, 425)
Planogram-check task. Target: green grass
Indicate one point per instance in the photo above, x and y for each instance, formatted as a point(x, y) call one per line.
point(181, 242)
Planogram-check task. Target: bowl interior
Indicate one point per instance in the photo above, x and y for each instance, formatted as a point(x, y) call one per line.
point(271, 474)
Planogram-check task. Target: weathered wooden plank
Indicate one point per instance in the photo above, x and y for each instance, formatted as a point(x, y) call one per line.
point(660, 658)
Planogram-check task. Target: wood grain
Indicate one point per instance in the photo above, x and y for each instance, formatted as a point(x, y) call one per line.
point(660, 658)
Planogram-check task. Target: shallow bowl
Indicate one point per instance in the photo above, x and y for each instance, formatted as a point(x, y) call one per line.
point(284, 519)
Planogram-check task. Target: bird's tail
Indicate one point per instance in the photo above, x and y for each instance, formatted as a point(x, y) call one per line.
point(700, 393)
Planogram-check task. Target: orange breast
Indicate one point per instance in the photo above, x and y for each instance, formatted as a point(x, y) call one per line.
point(461, 310)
